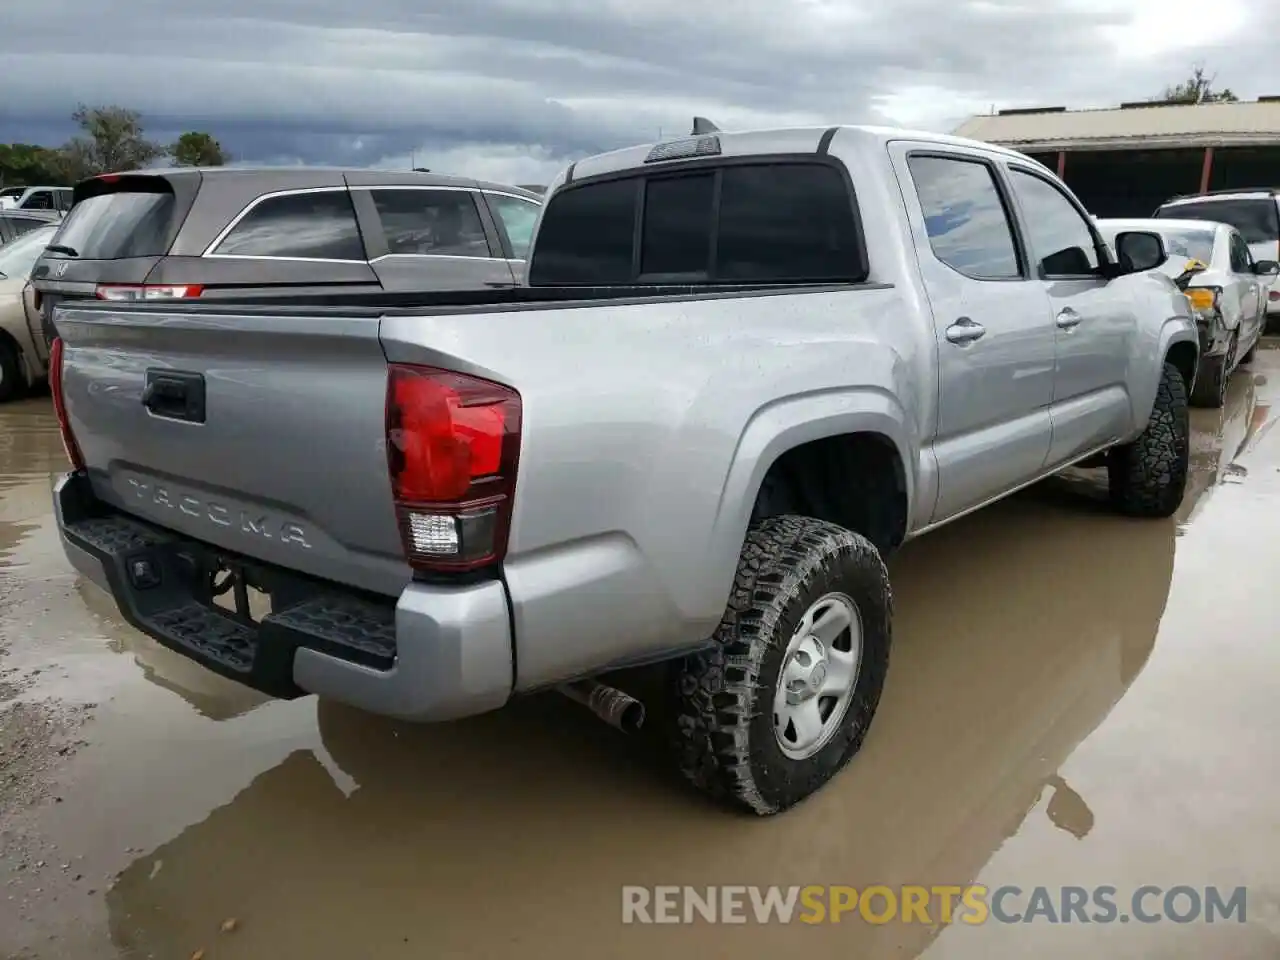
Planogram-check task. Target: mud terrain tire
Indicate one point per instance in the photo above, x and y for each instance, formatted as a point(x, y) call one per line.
point(722, 712)
point(1148, 477)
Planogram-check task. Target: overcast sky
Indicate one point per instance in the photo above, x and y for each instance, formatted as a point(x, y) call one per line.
point(515, 89)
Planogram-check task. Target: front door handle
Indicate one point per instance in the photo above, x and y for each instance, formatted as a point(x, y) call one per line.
point(965, 330)
point(1067, 318)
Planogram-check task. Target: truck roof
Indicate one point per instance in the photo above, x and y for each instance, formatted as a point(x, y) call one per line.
point(771, 141)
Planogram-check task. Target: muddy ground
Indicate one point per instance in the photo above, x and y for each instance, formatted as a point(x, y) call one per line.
point(1074, 699)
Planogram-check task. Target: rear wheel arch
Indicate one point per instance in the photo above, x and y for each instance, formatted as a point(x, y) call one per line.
point(856, 480)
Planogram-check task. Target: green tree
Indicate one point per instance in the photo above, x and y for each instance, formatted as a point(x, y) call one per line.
point(112, 140)
point(28, 165)
point(197, 149)
point(1197, 88)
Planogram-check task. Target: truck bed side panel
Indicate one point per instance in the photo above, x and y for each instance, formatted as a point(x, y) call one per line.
point(636, 422)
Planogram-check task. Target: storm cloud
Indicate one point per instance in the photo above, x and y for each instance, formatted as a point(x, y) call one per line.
point(515, 89)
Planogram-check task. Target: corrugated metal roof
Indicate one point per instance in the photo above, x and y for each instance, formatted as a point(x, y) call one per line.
point(1205, 124)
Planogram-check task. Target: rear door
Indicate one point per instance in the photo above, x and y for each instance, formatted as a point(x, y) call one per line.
point(282, 242)
point(433, 238)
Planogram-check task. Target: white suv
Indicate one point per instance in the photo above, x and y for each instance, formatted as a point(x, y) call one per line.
point(1255, 212)
point(56, 199)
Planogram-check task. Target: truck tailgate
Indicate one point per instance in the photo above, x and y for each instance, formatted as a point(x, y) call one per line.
point(262, 435)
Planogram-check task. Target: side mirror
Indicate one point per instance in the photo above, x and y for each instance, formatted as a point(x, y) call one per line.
point(1138, 250)
point(1266, 268)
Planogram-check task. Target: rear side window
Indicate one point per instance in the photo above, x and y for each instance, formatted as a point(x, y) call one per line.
point(740, 223)
point(318, 225)
point(120, 224)
point(965, 217)
point(1255, 219)
point(440, 223)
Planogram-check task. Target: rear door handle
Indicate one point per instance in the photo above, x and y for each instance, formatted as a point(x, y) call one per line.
point(965, 330)
point(1067, 318)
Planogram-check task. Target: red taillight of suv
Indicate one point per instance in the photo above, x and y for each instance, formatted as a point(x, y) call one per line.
point(452, 445)
point(60, 405)
point(147, 291)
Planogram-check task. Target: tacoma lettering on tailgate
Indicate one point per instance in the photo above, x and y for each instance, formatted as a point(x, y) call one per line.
point(259, 524)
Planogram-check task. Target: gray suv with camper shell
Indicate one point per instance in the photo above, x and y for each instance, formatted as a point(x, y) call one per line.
point(219, 232)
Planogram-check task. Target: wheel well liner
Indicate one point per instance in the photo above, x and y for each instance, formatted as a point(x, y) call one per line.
point(855, 480)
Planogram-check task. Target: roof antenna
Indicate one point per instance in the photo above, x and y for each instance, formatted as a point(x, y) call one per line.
point(702, 125)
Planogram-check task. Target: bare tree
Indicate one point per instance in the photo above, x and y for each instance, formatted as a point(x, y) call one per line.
point(1197, 88)
point(112, 140)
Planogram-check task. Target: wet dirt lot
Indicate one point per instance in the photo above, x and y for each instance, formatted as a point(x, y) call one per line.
point(1075, 699)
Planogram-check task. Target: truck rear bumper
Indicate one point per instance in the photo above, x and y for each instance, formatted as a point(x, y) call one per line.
point(438, 653)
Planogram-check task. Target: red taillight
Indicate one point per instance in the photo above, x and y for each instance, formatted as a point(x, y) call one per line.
point(147, 291)
point(452, 445)
point(60, 405)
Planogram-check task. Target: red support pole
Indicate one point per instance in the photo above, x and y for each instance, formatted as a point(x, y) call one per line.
point(1062, 164)
point(1206, 169)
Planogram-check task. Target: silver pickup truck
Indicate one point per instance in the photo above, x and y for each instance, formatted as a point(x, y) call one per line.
point(744, 369)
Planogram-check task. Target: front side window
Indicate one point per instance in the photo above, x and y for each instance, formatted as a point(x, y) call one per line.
point(40, 200)
point(518, 219)
point(318, 225)
point(964, 217)
point(784, 222)
point(425, 223)
point(1059, 235)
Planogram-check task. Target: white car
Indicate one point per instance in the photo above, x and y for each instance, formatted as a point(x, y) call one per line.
point(1229, 295)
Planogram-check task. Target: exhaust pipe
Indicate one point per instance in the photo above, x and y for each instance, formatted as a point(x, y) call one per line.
point(618, 709)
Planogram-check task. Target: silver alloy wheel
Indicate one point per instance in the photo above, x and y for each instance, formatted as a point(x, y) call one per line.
point(819, 672)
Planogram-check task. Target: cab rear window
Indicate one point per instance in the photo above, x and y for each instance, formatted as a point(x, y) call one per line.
point(776, 222)
point(118, 224)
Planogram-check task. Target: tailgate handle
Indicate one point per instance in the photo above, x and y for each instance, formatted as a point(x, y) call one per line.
point(175, 395)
